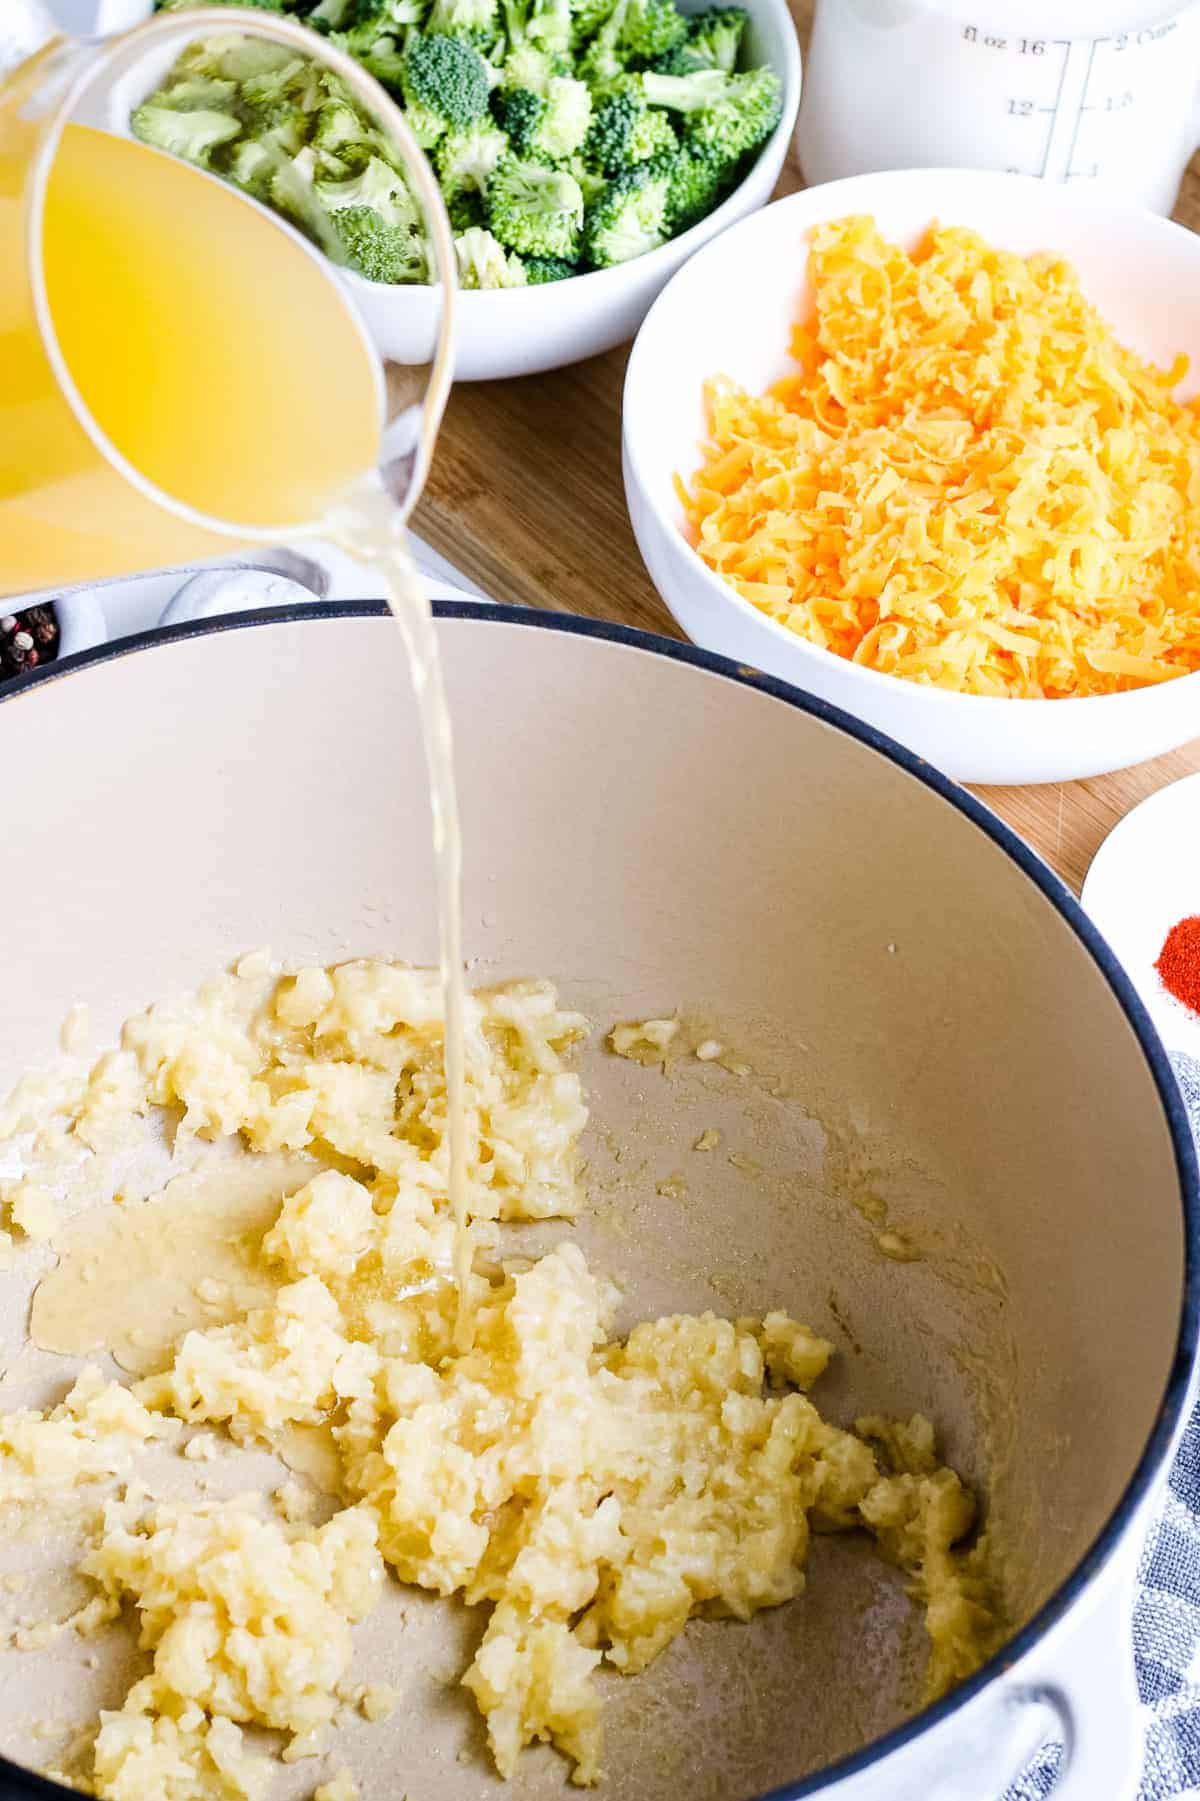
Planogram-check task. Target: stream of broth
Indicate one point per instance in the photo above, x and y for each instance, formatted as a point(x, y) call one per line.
point(371, 528)
point(66, 511)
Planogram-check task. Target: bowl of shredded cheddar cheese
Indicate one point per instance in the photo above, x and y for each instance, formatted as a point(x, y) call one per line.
point(924, 443)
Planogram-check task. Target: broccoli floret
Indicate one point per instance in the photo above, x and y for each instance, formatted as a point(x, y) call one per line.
point(483, 263)
point(275, 96)
point(341, 134)
point(331, 15)
point(465, 211)
point(345, 132)
point(529, 67)
point(290, 133)
point(174, 6)
point(286, 184)
point(600, 66)
point(380, 187)
point(627, 82)
point(546, 24)
point(376, 37)
point(716, 36)
point(650, 28)
point(232, 56)
point(373, 18)
point(535, 210)
point(623, 45)
point(742, 119)
point(445, 87)
point(377, 224)
point(257, 164)
point(466, 159)
point(603, 62)
point(340, 91)
point(630, 217)
point(549, 24)
point(520, 112)
point(379, 251)
point(198, 93)
point(592, 181)
point(252, 167)
point(547, 128)
point(564, 124)
point(337, 168)
point(682, 60)
point(634, 34)
point(476, 20)
point(685, 93)
point(625, 130)
point(193, 135)
point(382, 57)
point(539, 269)
point(700, 179)
point(653, 135)
point(364, 25)
point(587, 16)
point(291, 191)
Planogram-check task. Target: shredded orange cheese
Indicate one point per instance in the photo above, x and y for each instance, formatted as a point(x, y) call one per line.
point(969, 483)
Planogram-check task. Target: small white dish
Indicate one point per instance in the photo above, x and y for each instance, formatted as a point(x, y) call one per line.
point(128, 605)
point(524, 331)
point(1144, 879)
point(729, 312)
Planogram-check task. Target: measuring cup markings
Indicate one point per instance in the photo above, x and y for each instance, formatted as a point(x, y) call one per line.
point(1082, 84)
point(1023, 106)
point(1115, 107)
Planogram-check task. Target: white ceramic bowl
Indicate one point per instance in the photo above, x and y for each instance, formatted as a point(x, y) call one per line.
point(729, 311)
point(522, 331)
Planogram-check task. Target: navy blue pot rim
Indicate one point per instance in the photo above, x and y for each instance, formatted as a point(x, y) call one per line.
point(16, 1780)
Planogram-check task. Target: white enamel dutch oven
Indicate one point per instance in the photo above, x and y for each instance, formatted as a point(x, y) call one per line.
point(930, 1022)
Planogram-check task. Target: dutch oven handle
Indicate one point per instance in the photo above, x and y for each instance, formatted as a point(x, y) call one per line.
point(1090, 1689)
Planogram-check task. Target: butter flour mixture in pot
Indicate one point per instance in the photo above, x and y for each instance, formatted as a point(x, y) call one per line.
point(588, 1492)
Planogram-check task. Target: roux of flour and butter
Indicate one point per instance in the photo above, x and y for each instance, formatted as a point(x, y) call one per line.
point(591, 1492)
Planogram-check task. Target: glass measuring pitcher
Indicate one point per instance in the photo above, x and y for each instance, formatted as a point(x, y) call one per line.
point(1101, 93)
point(182, 370)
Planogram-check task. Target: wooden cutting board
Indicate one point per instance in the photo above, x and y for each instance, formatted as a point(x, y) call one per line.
point(525, 497)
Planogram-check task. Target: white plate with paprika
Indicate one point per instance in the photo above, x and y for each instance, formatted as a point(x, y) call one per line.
point(1143, 892)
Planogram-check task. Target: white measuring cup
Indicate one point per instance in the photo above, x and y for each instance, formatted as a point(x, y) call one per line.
point(1100, 92)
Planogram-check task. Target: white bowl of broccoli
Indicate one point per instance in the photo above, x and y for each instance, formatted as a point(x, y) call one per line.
point(584, 149)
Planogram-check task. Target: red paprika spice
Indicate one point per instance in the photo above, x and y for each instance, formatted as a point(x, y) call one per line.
point(1179, 962)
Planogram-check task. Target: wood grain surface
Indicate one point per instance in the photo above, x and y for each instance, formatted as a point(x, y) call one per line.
point(525, 497)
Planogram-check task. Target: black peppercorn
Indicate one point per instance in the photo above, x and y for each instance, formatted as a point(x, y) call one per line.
point(27, 640)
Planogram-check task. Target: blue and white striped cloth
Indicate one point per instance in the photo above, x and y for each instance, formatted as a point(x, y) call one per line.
point(1166, 1620)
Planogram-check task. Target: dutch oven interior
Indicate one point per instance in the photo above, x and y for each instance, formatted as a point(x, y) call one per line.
point(923, 1025)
